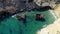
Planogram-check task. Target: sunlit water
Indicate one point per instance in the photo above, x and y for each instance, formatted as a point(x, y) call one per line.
point(13, 26)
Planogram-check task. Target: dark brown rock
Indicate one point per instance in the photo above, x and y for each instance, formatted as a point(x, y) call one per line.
point(40, 17)
point(22, 18)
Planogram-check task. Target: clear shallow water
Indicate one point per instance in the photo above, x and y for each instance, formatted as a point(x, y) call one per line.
point(14, 26)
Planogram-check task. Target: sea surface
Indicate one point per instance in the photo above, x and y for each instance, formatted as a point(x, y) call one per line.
point(13, 26)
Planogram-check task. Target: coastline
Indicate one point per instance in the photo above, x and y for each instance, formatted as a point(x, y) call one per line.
point(55, 27)
point(52, 12)
point(51, 29)
point(57, 10)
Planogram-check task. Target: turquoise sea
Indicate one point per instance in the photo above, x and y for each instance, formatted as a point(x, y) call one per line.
point(14, 26)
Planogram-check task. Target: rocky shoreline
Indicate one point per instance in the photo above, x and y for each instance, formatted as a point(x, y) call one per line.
point(36, 5)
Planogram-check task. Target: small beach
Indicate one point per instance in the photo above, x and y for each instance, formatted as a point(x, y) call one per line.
point(53, 28)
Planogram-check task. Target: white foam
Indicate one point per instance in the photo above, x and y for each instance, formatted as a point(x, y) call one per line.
point(13, 15)
point(51, 29)
point(42, 31)
point(52, 12)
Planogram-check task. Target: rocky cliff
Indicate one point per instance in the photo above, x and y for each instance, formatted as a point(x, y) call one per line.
point(51, 3)
point(23, 4)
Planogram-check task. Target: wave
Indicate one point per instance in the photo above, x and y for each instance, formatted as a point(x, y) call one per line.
point(52, 12)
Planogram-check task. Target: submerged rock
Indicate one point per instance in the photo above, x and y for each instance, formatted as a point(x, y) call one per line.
point(40, 17)
point(23, 18)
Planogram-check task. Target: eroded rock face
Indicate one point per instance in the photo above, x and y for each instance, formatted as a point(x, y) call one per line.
point(43, 3)
point(10, 9)
point(21, 5)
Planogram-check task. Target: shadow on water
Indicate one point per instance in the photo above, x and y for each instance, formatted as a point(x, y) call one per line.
point(4, 15)
point(10, 31)
point(21, 31)
point(1, 33)
point(24, 20)
point(42, 8)
point(42, 20)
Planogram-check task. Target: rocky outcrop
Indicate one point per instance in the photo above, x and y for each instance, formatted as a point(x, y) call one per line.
point(51, 3)
point(22, 5)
